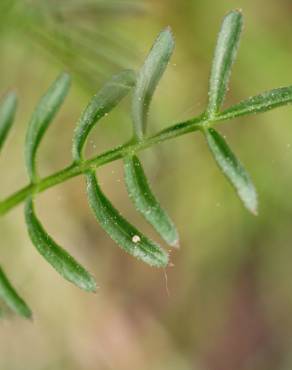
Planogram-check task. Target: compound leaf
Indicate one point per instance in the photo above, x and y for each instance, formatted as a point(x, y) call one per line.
point(145, 201)
point(7, 112)
point(43, 115)
point(61, 260)
point(120, 230)
point(102, 103)
point(9, 295)
point(232, 169)
point(148, 78)
point(225, 53)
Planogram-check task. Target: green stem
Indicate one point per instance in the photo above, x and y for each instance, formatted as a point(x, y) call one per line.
point(76, 169)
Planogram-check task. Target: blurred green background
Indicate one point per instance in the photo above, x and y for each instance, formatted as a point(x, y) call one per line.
point(226, 303)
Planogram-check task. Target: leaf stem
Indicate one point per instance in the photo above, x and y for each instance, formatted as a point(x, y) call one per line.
point(111, 155)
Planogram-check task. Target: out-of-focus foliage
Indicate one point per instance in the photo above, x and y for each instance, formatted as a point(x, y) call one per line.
point(74, 33)
point(229, 303)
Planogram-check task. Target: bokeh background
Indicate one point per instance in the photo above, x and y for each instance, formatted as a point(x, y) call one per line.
point(227, 301)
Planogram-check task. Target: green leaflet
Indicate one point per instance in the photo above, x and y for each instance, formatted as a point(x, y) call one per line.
point(11, 298)
point(259, 103)
point(146, 203)
point(42, 117)
point(65, 264)
point(7, 112)
point(148, 78)
point(102, 103)
point(225, 53)
point(120, 230)
point(232, 169)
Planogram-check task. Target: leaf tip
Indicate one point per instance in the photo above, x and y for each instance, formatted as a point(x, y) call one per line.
point(66, 75)
point(10, 100)
point(26, 312)
point(251, 202)
point(163, 262)
point(254, 210)
point(66, 79)
point(238, 12)
point(29, 317)
point(12, 95)
point(91, 285)
point(173, 240)
point(175, 244)
point(169, 34)
point(85, 281)
point(168, 30)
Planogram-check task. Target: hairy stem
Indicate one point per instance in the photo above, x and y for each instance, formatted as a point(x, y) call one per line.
point(77, 169)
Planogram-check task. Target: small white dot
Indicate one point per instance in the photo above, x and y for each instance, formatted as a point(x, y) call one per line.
point(136, 239)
